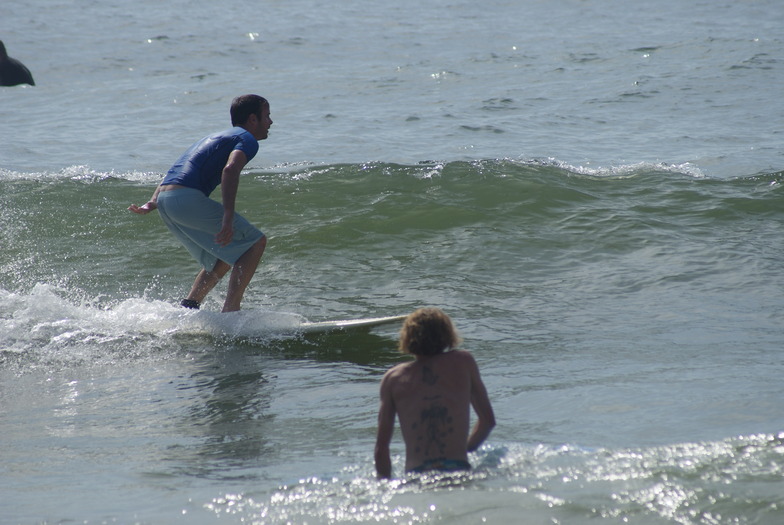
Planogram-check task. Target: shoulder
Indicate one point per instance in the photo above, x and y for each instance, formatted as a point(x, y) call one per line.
point(464, 361)
point(245, 141)
point(396, 371)
point(235, 134)
point(396, 375)
point(461, 356)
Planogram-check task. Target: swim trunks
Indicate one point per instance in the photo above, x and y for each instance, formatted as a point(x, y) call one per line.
point(201, 166)
point(442, 465)
point(195, 219)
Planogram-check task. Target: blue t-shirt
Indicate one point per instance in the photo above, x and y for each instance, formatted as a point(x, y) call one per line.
point(202, 165)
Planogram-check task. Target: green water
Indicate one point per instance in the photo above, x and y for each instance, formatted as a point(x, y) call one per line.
point(626, 323)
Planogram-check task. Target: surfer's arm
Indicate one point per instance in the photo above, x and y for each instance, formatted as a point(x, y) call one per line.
point(230, 182)
point(386, 425)
point(484, 410)
point(148, 206)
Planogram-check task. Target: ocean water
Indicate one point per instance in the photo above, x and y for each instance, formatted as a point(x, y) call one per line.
point(591, 189)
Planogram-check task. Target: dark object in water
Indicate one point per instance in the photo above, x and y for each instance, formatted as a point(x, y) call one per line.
point(13, 72)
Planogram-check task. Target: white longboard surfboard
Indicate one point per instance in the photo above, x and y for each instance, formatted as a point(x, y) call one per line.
point(248, 323)
point(344, 324)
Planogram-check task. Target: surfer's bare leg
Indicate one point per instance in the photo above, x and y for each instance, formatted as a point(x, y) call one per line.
point(206, 281)
point(241, 275)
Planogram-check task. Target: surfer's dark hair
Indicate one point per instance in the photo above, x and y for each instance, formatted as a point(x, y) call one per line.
point(428, 331)
point(244, 106)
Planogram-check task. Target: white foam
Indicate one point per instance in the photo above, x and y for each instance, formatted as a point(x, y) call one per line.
point(80, 173)
point(48, 318)
point(623, 170)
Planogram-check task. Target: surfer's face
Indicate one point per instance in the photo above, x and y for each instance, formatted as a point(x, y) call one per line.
point(263, 124)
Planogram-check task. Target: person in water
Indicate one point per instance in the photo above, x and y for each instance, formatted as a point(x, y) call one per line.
point(13, 72)
point(214, 234)
point(432, 397)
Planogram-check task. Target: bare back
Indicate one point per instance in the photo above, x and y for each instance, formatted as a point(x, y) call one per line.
point(432, 397)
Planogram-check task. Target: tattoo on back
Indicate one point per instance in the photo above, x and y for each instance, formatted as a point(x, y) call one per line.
point(436, 425)
point(428, 376)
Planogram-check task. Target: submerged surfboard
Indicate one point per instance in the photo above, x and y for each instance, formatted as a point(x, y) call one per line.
point(344, 324)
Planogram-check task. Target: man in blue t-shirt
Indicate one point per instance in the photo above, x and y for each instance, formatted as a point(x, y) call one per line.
point(213, 233)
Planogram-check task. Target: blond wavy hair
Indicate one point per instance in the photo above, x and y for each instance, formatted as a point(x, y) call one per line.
point(428, 331)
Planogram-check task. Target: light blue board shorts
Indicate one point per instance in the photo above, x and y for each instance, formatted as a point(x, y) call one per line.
point(195, 219)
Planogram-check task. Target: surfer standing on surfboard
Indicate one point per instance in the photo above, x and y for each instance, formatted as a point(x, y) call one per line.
point(215, 235)
point(432, 397)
